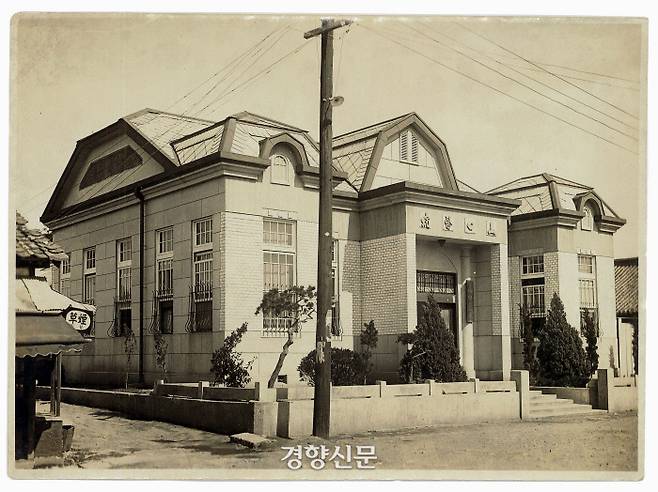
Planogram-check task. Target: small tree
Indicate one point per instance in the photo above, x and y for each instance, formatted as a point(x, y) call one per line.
point(161, 347)
point(227, 365)
point(369, 338)
point(588, 329)
point(530, 362)
point(562, 359)
point(298, 303)
point(348, 368)
point(129, 345)
point(433, 354)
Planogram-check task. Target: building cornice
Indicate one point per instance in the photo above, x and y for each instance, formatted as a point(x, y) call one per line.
point(608, 223)
point(560, 217)
point(407, 192)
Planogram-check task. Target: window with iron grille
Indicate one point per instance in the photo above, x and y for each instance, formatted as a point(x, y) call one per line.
point(201, 315)
point(164, 279)
point(435, 282)
point(278, 269)
point(533, 299)
point(532, 264)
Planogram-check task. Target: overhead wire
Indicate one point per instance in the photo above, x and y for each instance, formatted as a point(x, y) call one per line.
point(497, 90)
point(529, 87)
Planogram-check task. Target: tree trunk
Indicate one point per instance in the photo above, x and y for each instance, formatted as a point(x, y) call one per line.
point(279, 363)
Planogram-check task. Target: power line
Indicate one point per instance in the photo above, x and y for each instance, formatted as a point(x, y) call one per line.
point(547, 71)
point(499, 91)
point(540, 82)
point(502, 74)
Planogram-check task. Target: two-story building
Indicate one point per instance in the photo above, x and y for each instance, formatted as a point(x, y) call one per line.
point(180, 224)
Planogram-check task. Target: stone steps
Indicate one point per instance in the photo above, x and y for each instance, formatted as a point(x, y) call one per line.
point(549, 405)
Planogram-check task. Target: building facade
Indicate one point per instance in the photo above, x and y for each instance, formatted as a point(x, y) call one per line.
point(179, 224)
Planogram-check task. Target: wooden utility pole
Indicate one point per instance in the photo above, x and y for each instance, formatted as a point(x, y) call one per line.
point(322, 395)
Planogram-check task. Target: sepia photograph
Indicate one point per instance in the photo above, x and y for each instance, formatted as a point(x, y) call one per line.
point(326, 247)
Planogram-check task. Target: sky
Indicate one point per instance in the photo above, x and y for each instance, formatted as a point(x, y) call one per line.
point(75, 74)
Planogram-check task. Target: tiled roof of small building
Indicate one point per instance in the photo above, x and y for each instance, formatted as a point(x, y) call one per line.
point(33, 246)
point(626, 286)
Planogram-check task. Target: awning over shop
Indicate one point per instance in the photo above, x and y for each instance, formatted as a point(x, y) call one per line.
point(45, 334)
point(34, 294)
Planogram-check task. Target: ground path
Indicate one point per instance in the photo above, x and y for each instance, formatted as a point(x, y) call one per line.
point(597, 442)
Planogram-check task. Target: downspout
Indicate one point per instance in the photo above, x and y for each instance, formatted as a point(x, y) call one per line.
point(140, 197)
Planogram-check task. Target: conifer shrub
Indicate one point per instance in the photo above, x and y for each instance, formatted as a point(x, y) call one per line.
point(561, 356)
point(227, 365)
point(433, 353)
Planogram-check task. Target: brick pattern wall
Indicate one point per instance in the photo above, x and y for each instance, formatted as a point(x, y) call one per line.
point(385, 283)
point(351, 282)
point(499, 290)
point(551, 277)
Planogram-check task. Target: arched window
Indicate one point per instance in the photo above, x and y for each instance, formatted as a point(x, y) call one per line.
point(279, 169)
point(587, 222)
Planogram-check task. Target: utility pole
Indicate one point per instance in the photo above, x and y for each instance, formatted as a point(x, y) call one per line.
point(322, 395)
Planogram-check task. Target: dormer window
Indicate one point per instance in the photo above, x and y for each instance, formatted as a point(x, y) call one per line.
point(279, 170)
point(408, 147)
point(587, 222)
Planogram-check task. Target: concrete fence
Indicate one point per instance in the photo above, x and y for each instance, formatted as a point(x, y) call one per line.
point(358, 409)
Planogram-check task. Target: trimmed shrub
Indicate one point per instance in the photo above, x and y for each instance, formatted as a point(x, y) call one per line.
point(561, 356)
point(369, 338)
point(434, 354)
point(348, 368)
point(227, 366)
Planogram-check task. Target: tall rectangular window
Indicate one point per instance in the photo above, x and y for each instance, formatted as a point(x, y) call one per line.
point(65, 277)
point(164, 279)
point(587, 289)
point(278, 269)
point(532, 285)
point(202, 270)
point(123, 297)
point(89, 276)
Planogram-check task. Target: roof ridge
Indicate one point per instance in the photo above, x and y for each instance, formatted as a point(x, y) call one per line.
point(239, 115)
point(167, 113)
point(399, 117)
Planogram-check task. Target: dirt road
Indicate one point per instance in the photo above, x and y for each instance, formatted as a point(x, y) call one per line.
point(598, 442)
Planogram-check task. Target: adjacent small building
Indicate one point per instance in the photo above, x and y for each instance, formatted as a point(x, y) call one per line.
point(627, 295)
point(178, 224)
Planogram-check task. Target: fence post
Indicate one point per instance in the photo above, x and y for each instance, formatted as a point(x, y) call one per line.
point(200, 386)
point(382, 388)
point(476, 384)
point(605, 383)
point(156, 384)
point(522, 380)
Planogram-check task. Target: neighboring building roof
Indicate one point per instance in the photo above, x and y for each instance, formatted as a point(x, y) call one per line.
point(35, 296)
point(33, 247)
point(626, 286)
point(542, 192)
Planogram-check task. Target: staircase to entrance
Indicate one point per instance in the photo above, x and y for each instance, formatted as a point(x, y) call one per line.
point(549, 405)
